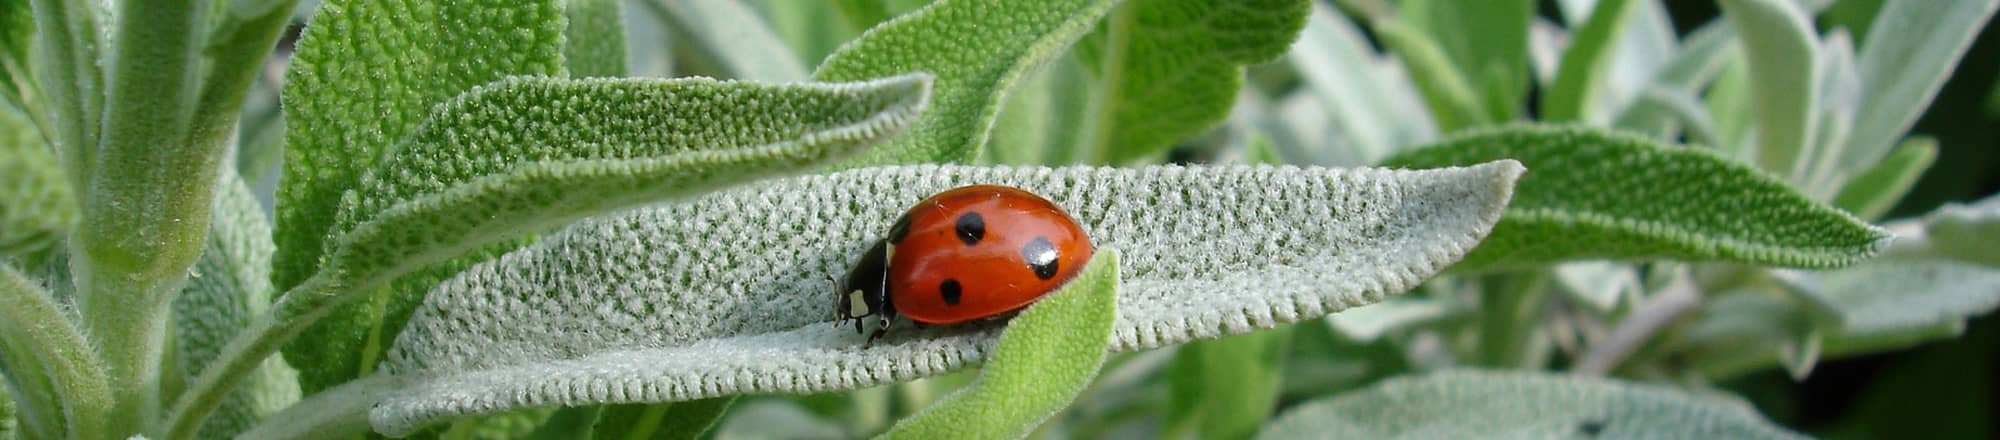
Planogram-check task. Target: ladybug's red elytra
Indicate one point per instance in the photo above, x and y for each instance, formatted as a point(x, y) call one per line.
point(966, 254)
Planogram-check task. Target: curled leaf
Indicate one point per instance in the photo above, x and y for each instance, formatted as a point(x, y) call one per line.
point(1599, 194)
point(727, 293)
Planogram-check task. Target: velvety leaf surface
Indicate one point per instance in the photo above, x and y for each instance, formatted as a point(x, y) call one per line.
point(1042, 360)
point(36, 206)
point(1169, 69)
point(1470, 403)
point(727, 293)
point(993, 45)
point(229, 285)
point(1598, 194)
point(531, 153)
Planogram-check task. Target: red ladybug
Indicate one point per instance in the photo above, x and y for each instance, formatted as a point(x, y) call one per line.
point(966, 254)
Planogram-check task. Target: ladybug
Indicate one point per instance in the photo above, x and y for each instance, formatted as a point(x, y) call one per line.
point(966, 254)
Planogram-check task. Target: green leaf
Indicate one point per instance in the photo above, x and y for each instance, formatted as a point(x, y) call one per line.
point(661, 421)
point(1464, 404)
point(51, 364)
point(1446, 90)
point(36, 207)
point(1226, 388)
point(1728, 101)
point(1892, 295)
point(1601, 285)
point(1599, 194)
point(1878, 188)
point(9, 428)
point(364, 76)
point(594, 41)
point(1370, 322)
point(1375, 108)
point(777, 418)
point(1782, 52)
point(1486, 40)
point(729, 296)
point(1171, 69)
point(1043, 120)
point(1044, 358)
point(531, 153)
point(732, 38)
point(17, 35)
point(983, 60)
point(1967, 232)
point(1585, 65)
point(1910, 50)
point(1749, 330)
point(228, 286)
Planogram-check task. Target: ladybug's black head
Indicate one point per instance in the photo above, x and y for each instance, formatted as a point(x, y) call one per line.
point(864, 291)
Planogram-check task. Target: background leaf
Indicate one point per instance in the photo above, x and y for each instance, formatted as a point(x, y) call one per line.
point(1782, 54)
point(728, 292)
point(1872, 193)
point(1890, 295)
point(1447, 92)
point(1169, 69)
point(594, 40)
point(1969, 232)
point(36, 207)
point(661, 421)
point(1599, 194)
point(1582, 74)
point(1226, 388)
point(1375, 108)
point(730, 39)
point(1044, 358)
point(1909, 51)
point(1472, 403)
point(229, 285)
point(1487, 41)
point(975, 70)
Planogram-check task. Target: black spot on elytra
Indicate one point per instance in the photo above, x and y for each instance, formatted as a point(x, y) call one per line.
point(971, 228)
point(1591, 428)
point(1041, 256)
point(900, 230)
point(950, 291)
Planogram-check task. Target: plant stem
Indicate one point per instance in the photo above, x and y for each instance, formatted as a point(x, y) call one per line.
point(32, 323)
point(293, 312)
point(338, 412)
point(1646, 319)
point(1508, 317)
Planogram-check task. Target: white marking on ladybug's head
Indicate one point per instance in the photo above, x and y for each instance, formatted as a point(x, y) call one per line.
point(858, 301)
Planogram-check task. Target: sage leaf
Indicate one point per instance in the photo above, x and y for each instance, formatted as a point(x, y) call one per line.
point(364, 76)
point(1582, 74)
point(37, 208)
point(1463, 404)
point(727, 293)
point(1226, 388)
point(594, 40)
point(1872, 193)
point(1891, 295)
point(1169, 69)
point(1044, 358)
point(731, 39)
point(229, 285)
point(994, 45)
point(1966, 231)
point(17, 35)
point(1749, 330)
point(1375, 109)
point(1487, 40)
point(1906, 57)
point(1782, 54)
point(1446, 90)
point(1600, 194)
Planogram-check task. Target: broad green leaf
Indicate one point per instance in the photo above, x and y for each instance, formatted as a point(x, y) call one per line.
point(364, 76)
point(1470, 403)
point(1582, 75)
point(1487, 40)
point(1782, 54)
point(594, 41)
point(1968, 232)
point(1446, 90)
point(732, 38)
point(992, 46)
point(1909, 51)
point(1370, 322)
point(1044, 358)
point(36, 206)
point(1170, 69)
point(728, 294)
point(229, 285)
point(1226, 388)
point(1375, 109)
point(1878, 188)
point(1599, 194)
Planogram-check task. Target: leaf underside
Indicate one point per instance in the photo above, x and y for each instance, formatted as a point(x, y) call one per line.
point(1597, 194)
point(727, 293)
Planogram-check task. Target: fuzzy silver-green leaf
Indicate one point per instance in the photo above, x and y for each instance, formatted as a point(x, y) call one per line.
point(727, 293)
point(1600, 194)
point(1477, 404)
point(226, 287)
point(978, 49)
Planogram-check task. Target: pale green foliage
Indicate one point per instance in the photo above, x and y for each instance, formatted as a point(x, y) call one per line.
point(1782, 53)
point(1581, 75)
point(1226, 388)
point(1896, 295)
point(1910, 50)
point(36, 206)
point(1487, 43)
point(1447, 93)
point(594, 41)
point(1969, 232)
point(660, 421)
point(730, 38)
point(1169, 69)
point(1601, 195)
point(1870, 194)
point(729, 293)
point(975, 70)
point(1371, 322)
point(228, 286)
point(1042, 360)
point(1745, 330)
point(1466, 404)
point(1373, 107)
